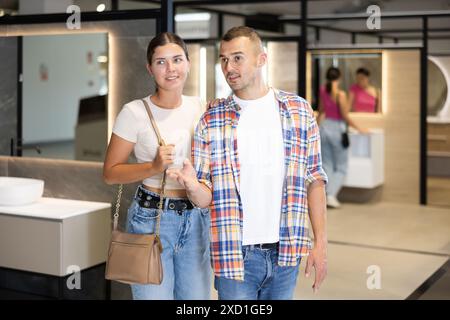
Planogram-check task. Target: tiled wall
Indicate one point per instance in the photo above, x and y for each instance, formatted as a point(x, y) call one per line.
point(8, 92)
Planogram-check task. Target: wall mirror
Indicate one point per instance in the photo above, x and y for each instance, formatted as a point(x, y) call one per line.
point(361, 77)
point(438, 93)
point(64, 96)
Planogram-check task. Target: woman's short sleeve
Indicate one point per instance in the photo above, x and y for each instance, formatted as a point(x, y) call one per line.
point(126, 125)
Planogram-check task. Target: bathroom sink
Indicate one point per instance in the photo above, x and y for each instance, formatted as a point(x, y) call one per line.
point(20, 191)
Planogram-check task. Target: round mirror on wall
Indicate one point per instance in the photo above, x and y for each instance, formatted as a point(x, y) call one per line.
point(437, 87)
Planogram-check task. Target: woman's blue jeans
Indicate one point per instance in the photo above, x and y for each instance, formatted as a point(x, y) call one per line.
point(185, 257)
point(334, 155)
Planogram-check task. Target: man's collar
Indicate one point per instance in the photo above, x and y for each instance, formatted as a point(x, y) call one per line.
point(279, 95)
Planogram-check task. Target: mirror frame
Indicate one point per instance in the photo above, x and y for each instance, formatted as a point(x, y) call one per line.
point(94, 22)
point(309, 60)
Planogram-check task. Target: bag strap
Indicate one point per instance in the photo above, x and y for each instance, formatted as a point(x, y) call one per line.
point(153, 122)
point(116, 213)
point(163, 181)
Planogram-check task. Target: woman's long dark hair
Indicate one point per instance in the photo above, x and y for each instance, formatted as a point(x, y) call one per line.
point(332, 74)
point(163, 39)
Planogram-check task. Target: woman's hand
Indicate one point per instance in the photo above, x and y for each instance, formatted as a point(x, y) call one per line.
point(363, 130)
point(164, 157)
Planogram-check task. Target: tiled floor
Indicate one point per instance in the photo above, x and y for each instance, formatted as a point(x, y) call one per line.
point(440, 289)
point(400, 274)
point(406, 244)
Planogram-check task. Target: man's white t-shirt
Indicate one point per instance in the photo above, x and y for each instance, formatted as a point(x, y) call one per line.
point(176, 126)
point(262, 169)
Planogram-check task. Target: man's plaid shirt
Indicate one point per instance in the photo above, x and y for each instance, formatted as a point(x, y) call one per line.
point(215, 155)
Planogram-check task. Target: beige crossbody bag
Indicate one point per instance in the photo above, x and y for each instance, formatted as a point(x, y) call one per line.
point(136, 258)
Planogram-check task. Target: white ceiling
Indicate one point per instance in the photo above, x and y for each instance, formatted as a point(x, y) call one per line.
point(289, 8)
point(321, 7)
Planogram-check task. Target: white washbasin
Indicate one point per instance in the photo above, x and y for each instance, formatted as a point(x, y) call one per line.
point(20, 191)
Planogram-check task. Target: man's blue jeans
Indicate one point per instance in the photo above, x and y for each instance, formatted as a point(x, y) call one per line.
point(264, 279)
point(185, 257)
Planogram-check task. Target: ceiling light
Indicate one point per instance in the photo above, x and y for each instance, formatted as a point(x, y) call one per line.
point(102, 59)
point(101, 7)
point(184, 17)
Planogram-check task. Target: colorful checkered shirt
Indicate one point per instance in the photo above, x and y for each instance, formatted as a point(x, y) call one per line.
point(215, 155)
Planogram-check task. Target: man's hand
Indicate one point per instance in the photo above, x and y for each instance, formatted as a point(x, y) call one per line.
point(318, 259)
point(199, 195)
point(187, 176)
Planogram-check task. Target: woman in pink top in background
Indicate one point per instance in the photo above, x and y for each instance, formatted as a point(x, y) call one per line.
point(333, 120)
point(364, 97)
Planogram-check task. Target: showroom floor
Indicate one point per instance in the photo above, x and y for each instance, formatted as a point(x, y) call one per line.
point(409, 244)
point(406, 247)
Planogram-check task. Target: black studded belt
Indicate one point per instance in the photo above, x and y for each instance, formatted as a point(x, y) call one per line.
point(147, 200)
point(264, 246)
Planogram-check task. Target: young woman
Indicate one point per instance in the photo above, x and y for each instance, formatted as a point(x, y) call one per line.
point(333, 120)
point(184, 227)
point(363, 97)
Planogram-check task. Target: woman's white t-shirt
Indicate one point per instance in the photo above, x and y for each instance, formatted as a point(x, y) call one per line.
point(176, 127)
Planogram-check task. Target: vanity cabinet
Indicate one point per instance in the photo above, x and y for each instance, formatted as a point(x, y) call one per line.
point(366, 160)
point(55, 248)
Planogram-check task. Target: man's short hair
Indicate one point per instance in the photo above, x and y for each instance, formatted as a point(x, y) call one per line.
point(243, 31)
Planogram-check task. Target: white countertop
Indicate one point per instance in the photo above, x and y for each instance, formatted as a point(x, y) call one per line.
point(372, 131)
point(439, 120)
point(54, 208)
